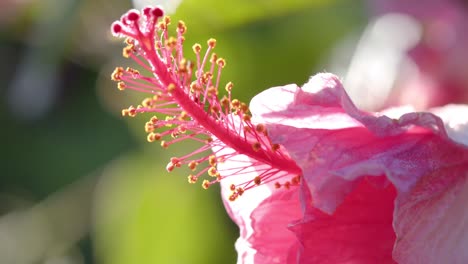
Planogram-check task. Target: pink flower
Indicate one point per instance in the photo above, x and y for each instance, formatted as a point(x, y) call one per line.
point(309, 178)
point(375, 189)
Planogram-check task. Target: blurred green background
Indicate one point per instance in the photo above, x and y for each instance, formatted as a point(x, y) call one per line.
point(78, 183)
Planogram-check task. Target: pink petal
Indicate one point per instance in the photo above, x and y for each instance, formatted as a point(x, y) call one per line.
point(431, 221)
point(336, 145)
point(262, 214)
point(274, 242)
point(359, 231)
point(332, 153)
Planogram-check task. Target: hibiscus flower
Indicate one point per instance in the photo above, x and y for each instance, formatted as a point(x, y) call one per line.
point(307, 176)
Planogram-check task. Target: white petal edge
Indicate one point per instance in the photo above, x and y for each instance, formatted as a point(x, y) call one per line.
point(455, 119)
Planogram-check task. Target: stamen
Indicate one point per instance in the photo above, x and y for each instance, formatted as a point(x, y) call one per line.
point(186, 92)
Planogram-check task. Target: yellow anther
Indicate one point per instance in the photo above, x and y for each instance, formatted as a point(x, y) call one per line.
point(257, 180)
point(151, 137)
point(212, 43)
point(213, 57)
point(233, 197)
point(128, 50)
point(256, 146)
point(157, 136)
point(164, 144)
point(149, 127)
point(154, 120)
point(206, 184)
point(132, 111)
point(182, 116)
point(170, 167)
point(192, 165)
point(196, 48)
point(158, 45)
point(206, 77)
point(171, 42)
point(192, 179)
point(212, 160)
point(224, 102)
point(171, 87)
point(244, 107)
point(162, 25)
point(117, 74)
point(229, 86)
point(212, 91)
point(182, 129)
point(132, 71)
point(235, 103)
point(175, 134)
point(121, 86)
point(221, 62)
point(212, 172)
point(167, 20)
point(168, 121)
point(194, 87)
point(183, 65)
point(147, 102)
point(275, 147)
point(181, 27)
point(176, 162)
point(260, 128)
point(124, 112)
point(296, 180)
point(215, 109)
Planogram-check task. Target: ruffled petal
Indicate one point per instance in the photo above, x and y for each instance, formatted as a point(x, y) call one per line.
point(338, 146)
point(455, 118)
point(335, 143)
point(431, 221)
